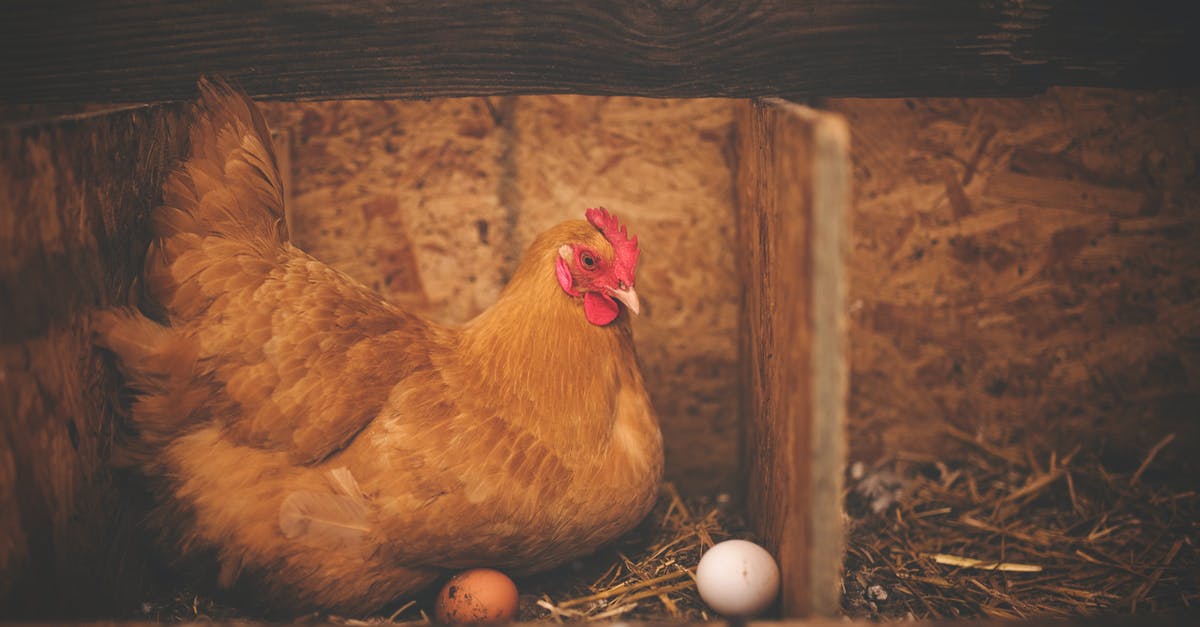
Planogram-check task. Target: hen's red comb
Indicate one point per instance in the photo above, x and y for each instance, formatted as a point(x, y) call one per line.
point(625, 249)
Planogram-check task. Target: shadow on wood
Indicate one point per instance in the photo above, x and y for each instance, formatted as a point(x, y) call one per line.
point(74, 199)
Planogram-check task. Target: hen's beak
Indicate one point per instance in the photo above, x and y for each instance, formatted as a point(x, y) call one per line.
point(629, 297)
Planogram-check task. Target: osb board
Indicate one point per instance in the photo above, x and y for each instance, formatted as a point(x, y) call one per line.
point(393, 193)
point(73, 200)
point(1026, 268)
point(433, 203)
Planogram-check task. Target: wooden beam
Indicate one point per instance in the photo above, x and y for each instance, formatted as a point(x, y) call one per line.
point(793, 212)
point(153, 50)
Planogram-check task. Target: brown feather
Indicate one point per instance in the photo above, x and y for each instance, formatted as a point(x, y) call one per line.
point(326, 520)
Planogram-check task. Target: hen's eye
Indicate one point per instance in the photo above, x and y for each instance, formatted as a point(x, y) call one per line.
point(589, 262)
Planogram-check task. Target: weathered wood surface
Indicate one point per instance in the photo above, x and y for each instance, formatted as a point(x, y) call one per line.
point(73, 202)
point(793, 207)
point(153, 50)
point(1027, 268)
point(433, 204)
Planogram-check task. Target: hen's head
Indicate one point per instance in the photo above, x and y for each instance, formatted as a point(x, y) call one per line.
point(598, 265)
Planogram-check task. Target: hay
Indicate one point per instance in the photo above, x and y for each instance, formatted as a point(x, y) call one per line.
point(187, 606)
point(648, 575)
point(1012, 532)
point(653, 576)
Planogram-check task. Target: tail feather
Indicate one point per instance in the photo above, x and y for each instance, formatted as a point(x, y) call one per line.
point(230, 183)
point(227, 190)
point(148, 351)
point(160, 366)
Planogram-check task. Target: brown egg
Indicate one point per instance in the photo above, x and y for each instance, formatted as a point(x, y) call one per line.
point(482, 595)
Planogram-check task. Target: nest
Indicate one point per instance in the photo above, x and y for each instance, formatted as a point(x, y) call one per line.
point(651, 576)
point(1009, 532)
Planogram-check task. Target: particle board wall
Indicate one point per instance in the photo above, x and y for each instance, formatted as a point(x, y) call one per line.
point(396, 193)
point(1026, 268)
point(433, 203)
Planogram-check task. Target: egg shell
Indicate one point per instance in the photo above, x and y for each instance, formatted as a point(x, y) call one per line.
point(481, 595)
point(738, 579)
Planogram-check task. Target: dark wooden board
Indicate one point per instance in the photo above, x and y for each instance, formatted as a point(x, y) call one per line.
point(153, 50)
point(73, 202)
point(793, 210)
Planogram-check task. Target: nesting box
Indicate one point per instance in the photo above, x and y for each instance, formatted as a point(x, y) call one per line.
point(982, 270)
point(792, 177)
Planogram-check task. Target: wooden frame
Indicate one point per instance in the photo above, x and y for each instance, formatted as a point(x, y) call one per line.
point(793, 212)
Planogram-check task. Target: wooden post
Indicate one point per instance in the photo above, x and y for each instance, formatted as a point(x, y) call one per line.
point(793, 213)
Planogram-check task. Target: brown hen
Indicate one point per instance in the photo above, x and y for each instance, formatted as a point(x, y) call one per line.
point(336, 452)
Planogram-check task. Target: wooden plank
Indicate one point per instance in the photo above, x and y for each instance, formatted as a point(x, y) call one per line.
point(73, 202)
point(793, 204)
point(831, 210)
point(153, 50)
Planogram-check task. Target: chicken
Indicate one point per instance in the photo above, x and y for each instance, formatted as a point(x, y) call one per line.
point(333, 451)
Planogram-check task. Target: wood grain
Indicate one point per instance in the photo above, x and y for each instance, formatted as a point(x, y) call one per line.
point(73, 201)
point(793, 203)
point(153, 50)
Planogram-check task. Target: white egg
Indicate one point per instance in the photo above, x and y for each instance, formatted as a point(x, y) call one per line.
point(738, 579)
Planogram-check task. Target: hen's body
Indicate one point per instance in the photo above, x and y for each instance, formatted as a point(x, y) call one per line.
point(338, 452)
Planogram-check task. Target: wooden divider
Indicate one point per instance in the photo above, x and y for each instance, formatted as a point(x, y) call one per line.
point(793, 210)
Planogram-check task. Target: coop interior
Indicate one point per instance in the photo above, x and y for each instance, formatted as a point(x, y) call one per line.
point(939, 354)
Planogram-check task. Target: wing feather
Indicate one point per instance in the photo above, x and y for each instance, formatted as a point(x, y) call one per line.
point(327, 520)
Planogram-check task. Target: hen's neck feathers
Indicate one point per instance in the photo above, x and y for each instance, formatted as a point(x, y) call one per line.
point(535, 348)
